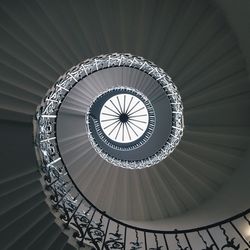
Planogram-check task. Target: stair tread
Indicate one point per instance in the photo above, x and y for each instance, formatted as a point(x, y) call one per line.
point(47, 237)
point(18, 196)
point(59, 242)
point(20, 210)
point(68, 247)
point(20, 227)
point(19, 182)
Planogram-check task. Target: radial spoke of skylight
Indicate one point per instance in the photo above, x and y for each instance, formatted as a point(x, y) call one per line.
point(124, 133)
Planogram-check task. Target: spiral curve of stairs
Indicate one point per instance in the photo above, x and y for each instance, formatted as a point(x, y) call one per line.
point(191, 40)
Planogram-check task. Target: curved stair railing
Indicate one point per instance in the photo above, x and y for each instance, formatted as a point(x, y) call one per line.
point(94, 227)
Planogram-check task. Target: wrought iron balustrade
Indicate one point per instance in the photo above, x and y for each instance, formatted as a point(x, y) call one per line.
point(94, 227)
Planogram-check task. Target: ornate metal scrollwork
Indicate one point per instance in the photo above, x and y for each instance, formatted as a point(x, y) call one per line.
point(179, 243)
point(229, 243)
point(115, 240)
point(135, 245)
point(157, 247)
point(95, 233)
point(207, 247)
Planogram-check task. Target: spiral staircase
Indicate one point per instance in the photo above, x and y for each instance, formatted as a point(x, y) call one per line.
point(202, 45)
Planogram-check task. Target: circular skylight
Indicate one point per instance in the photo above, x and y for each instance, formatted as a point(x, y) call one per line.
point(124, 118)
